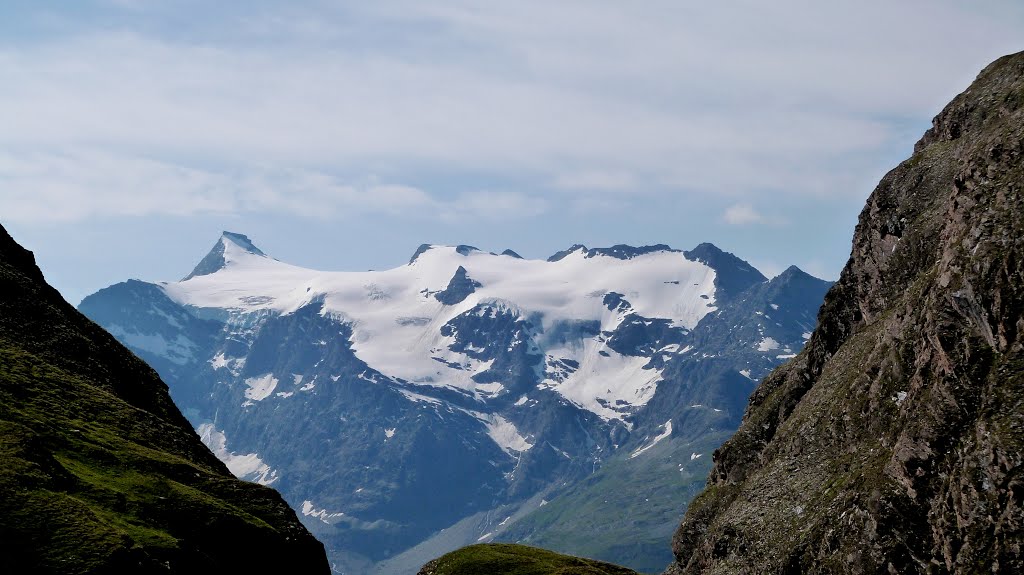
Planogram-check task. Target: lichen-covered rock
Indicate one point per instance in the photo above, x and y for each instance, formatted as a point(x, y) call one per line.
point(893, 442)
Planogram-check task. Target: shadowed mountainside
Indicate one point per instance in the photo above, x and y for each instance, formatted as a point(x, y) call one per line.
point(99, 471)
point(893, 442)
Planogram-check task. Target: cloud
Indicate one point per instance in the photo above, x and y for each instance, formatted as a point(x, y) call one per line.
point(596, 181)
point(84, 184)
point(495, 206)
point(742, 214)
point(664, 98)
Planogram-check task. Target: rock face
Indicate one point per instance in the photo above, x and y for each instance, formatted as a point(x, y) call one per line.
point(99, 471)
point(214, 261)
point(459, 288)
point(467, 396)
point(894, 441)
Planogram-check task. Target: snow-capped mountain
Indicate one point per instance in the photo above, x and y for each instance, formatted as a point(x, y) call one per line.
point(405, 411)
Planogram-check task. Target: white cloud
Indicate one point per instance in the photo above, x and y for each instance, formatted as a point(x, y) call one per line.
point(596, 181)
point(84, 184)
point(742, 214)
point(495, 205)
point(745, 100)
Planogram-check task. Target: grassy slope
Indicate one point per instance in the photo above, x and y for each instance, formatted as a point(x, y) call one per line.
point(99, 473)
point(627, 511)
point(508, 559)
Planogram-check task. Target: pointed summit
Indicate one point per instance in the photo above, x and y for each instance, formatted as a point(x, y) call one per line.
point(558, 256)
point(424, 248)
point(793, 273)
point(459, 288)
point(732, 275)
point(215, 261)
point(242, 241)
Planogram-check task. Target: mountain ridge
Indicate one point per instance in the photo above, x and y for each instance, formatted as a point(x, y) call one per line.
point(214, 261)
point(100, 471)
point(892, 442)
point(463, 390)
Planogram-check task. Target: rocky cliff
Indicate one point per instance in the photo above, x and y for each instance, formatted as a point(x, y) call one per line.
point(893, 441)
point(99, 471)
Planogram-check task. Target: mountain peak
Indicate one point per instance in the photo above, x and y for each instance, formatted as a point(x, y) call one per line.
point(793, 272)
point(461, 249)
point(15, 255)
point(707, 249)
point(618, 251)
point(459, 288)
point(733, 275)
point(573, 248)
point(242, 241)
point(424, 248)
point(215, 260)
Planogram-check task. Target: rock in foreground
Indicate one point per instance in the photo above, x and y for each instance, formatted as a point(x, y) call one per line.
point(99, 471)
point(894, 441)
point(507, 559)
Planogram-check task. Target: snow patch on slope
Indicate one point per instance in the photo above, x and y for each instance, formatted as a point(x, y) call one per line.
point(665, 433)
point(260, 387)
point(322, 514)
point(505, 434)
point(607, 383)
point(249, 467)
point(178, 351)
point(219, 361)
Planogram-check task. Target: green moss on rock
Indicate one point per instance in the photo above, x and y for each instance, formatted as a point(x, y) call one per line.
point(509, 559)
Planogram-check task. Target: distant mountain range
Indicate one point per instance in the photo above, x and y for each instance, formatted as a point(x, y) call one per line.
point(470, 396)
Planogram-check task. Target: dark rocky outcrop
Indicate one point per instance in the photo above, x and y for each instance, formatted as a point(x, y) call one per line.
point(100, 472)
point(894, 441)
point(618, 251)
point(733, 275)
point(214, 260)
point(459, 288)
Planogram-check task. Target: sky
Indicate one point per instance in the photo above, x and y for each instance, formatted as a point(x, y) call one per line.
point(342, 135)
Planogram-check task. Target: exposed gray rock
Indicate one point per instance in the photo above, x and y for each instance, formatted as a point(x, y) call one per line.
point(894, 441)
point(459, 288)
